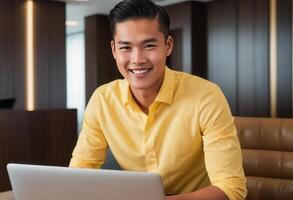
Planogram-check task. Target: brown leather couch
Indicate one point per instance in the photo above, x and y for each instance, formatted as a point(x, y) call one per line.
point(267, 149)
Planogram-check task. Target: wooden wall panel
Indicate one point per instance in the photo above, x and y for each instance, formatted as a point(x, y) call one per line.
point(41, 137)
point(199, 39)
point(50, 77)
point(90, 56)
point(245, 58)
point(50, 56)
point(284, 98)
point(6, 48)
point(252, 58)
point(238, 53)
point(261, 59)
point(188, 24)
point(175, 60)
point(100, 64)
point(180, 21)
point(19, 54)
point(12, 63)
point(251, 96)
point(222, 49)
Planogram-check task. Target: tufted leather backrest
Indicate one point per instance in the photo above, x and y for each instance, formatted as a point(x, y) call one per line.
point(267, 150)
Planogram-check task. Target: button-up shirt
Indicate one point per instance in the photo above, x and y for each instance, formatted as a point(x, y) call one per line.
point(188, 136)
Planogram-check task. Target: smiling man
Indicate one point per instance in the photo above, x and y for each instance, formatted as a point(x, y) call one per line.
point(160, 120)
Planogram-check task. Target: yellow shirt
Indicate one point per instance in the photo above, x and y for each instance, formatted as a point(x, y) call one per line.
point(188, 137)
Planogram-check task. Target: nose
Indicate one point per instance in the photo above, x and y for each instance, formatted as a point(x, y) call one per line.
point(138, 57)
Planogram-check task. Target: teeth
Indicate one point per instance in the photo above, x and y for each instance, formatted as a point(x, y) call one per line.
point(139, 71)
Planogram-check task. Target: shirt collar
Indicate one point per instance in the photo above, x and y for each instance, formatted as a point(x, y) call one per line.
point(165, 94)
point(125, 92)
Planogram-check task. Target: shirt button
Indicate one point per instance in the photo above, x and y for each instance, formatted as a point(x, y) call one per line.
point(151, 155)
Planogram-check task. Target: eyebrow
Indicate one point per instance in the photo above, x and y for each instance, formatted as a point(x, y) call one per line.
point(123, 42)
point(144, 41)
point(150, 40)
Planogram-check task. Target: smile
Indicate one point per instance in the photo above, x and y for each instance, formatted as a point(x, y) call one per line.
point(140, 71)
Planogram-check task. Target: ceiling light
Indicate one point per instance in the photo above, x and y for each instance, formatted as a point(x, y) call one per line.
point(72, 23)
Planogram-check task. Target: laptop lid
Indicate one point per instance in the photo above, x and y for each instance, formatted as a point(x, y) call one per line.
point(34, 182)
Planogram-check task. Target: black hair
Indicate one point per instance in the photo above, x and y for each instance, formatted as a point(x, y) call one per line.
point(136, 9)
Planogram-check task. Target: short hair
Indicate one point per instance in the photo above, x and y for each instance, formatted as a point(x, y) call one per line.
point(136, 9)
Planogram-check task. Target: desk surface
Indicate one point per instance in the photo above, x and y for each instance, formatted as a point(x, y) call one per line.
point(6, 195)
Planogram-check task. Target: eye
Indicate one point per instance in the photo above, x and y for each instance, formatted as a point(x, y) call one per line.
point(150, 46)
point(124, 48)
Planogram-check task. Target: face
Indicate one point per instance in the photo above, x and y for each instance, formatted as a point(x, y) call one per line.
point(140, 50)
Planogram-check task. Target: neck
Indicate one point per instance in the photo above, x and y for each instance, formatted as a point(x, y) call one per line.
point(145, 98)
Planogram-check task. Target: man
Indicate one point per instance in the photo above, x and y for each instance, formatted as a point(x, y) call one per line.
point(160, 120)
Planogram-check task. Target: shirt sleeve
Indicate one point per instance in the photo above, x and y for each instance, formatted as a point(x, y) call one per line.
point(91, 147)
point(223, 158)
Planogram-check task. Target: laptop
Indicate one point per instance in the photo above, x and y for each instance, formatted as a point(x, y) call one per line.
point(35, 182)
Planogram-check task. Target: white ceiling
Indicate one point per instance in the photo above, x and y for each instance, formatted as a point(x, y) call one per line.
point(77, 11)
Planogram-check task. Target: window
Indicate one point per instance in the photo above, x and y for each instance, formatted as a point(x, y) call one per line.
point(75, 74)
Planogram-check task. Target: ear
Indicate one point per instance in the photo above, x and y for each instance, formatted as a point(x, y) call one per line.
point(169, 45)
point(113, 49)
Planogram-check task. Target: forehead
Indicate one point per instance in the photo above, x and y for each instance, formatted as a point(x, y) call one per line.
point(137, 29)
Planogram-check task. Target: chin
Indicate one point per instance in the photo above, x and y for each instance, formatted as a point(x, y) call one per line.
point(139, 87)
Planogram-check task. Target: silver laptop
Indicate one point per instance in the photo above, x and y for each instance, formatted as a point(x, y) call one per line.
point(34, 182)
